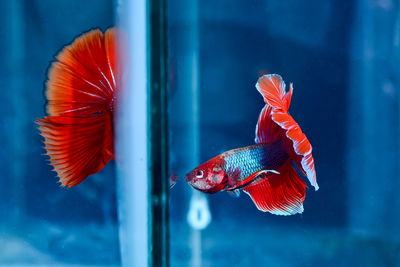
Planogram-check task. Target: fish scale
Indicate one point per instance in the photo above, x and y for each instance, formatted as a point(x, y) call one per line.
point(251, 159)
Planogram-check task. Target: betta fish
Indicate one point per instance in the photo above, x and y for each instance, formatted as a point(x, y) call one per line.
point(265, 171)
point(81, 88)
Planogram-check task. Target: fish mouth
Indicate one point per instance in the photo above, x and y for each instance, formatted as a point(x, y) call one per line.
point(187, 178)
point(192, 181)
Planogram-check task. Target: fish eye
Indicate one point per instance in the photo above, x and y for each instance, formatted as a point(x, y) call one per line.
point(199, 174)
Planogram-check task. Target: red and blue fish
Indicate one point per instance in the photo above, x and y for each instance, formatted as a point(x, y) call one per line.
point(265, 171)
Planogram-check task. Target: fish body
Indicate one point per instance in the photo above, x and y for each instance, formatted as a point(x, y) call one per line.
point(235, 165)
point(242, 162)
point(266, 170)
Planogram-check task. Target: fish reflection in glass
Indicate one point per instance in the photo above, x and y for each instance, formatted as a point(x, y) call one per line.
point(78, 131)
point(265, 171)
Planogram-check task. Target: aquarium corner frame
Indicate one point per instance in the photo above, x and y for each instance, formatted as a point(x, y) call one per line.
point(142, 135)
point(158, 133)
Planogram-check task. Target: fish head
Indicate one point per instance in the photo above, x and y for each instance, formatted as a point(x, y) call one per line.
point(209, 177)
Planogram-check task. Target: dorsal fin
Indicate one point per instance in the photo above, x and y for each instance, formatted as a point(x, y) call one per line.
point(275, 122)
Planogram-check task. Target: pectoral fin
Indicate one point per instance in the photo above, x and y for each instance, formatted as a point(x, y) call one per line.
point(252, 178)
point(235, 193)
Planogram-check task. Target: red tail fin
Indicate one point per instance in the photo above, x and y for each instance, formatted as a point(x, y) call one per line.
point(279, 194)
point(275, 122)
point(78, 132)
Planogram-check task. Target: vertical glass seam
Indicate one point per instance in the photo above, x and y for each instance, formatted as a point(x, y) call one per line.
point(158, 129)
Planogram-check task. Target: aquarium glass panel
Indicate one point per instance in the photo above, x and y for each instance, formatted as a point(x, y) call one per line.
point(42, 223)
point(342, 58)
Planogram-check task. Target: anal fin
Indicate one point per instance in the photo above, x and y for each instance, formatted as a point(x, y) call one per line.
point(279, 194)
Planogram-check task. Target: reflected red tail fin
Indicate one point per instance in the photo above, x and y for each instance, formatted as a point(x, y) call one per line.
point(81, 88)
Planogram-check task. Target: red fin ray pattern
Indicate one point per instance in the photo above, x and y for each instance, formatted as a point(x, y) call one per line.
point(279, 194)
point(274, 122)
point(267, 131)
point(78, 133)
point(270, 87)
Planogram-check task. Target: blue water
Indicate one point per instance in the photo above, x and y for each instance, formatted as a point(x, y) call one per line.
point(343, 59)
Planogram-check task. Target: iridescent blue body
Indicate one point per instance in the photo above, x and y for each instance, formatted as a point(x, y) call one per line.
point(242, 162)
point(232, 167)
point(265, 171)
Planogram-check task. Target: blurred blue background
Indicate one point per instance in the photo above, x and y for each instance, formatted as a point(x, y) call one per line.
point(343, 58)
